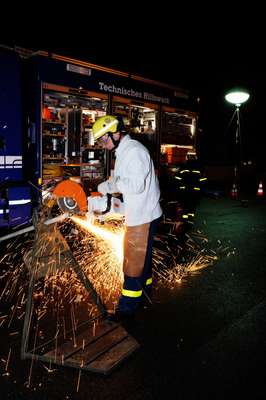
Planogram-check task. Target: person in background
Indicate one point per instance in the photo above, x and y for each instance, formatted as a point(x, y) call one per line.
point(134, 177)
point(189, 180)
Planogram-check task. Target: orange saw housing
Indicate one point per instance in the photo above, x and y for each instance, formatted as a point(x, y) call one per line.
point(73, 190)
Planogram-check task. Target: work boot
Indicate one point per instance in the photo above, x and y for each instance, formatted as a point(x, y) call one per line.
point(125, 319)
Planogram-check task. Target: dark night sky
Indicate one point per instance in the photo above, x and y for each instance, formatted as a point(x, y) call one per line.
point(207, 55)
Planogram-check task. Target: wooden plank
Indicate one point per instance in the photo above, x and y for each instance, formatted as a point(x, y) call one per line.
point(103, 344)
point(91, 335)
point(104, 361)
point(113, 357)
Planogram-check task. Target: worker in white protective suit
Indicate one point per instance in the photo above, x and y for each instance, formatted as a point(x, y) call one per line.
point(135, 178)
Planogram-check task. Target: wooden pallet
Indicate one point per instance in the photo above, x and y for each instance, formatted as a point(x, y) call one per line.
point(98, 349)
point(99, 345)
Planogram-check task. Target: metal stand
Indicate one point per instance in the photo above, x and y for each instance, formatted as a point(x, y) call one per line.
point(94, 343)
point(236, 178)
point(237, 144)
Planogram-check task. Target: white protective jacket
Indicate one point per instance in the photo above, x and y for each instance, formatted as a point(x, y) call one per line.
point(135, 178)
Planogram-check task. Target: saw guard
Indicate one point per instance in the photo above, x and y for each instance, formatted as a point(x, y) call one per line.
point(72, 190)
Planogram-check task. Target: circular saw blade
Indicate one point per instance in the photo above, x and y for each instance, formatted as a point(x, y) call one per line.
point(68, 204)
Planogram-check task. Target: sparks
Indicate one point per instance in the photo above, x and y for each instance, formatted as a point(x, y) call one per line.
point(114, 240)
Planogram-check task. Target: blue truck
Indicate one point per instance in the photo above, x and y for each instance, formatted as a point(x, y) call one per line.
point(15, 192)
point(48, 104)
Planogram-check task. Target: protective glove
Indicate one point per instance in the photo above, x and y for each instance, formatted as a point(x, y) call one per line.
point(108, 186)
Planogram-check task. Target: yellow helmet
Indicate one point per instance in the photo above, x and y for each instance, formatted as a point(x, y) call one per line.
point(105, 124)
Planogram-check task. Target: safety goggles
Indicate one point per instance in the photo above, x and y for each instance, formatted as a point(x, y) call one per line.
point(104, 139)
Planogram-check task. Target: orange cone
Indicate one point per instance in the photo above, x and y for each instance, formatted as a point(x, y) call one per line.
point(234, 192)
point(260, 190)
